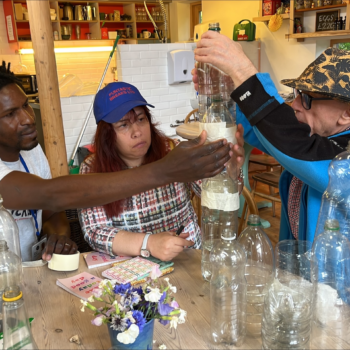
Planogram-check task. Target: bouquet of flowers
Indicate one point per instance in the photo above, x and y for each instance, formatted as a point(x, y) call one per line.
point(127, 309)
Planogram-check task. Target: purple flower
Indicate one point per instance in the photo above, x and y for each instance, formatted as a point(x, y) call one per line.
point(164, 309)
point(138, 290)
point(164, 322)
point(121, 289)
point(118, 323)
point(162, 297)
point(174, 304)
point(140, 320)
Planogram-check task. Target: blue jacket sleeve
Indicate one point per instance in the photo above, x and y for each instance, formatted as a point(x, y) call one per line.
point(282, 136)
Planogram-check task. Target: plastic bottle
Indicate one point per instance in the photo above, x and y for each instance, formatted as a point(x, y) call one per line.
point(213, 83)
point(17, 334)
point(10, 271)
point(228, 291)
point(331, 259)
point(220, 199)
point(336, 198)
point(259, 271)
point(9, 230)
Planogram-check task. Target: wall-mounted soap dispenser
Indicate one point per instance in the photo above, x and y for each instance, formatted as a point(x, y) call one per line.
point(180, 64)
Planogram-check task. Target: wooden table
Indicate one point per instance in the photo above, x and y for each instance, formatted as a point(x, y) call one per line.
point(57, 315)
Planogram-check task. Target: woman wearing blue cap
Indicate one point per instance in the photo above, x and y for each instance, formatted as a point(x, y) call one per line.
point(145, 223)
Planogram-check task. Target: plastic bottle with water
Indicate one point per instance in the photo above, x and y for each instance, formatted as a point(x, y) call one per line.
point(228, 291)
point(259, 271)
point(331, 259)
point(213, 83)
point(17, 333)
point(336, 198)
point(10, 271)
point(220, 198)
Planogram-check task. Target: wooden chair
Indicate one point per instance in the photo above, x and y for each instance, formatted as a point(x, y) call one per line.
point(271, 179)
point(187, 119)
point(249, 204)
point(264, 159)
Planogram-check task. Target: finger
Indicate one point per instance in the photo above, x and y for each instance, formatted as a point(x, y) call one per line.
point(60, 245)
point(49, 248)
point(215, 150)
point(184, 235)
point(199, 141)
point(74, 248)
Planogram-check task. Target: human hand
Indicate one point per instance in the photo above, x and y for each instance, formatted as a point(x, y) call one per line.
point(59, 245)
point(194, 160)
point(225, 54)
point(166, 246)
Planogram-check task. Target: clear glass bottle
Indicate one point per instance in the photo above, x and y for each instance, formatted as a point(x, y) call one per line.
point(336, 198)
point(10, 271)
point(220, 199)
point(259, 271)
point(213, 84)
point(228, 291)
point(17, 333)
point(331, 259)
point(9, 230)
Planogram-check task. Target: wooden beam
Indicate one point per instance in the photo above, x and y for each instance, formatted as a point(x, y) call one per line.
point(46, 73)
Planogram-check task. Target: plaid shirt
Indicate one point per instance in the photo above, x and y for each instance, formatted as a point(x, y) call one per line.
point(161, 209)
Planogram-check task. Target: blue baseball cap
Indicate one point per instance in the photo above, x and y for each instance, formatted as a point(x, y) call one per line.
point(115, 100)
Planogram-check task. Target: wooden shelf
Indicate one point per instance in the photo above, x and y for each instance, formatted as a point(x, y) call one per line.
point(321, 8)
point(81, 22)
point(149, 21)
point(318, 34)
point(109, 21)
point(267, 18)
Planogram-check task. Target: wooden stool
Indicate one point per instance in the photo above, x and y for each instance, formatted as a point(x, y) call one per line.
point(271, 179)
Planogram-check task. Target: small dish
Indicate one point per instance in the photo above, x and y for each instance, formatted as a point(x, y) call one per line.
point(65, 37)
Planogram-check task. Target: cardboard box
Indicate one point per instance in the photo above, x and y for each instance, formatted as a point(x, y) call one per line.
point(19, 11)
point(112, 35)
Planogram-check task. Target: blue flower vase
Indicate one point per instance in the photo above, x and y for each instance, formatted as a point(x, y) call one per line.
point(144, 341)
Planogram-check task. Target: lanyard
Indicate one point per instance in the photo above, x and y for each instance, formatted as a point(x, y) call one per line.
point(33, 212)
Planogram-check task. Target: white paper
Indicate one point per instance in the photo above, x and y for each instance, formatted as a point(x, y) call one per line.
point(220, 201)
point(217, 131)
point(10, 28)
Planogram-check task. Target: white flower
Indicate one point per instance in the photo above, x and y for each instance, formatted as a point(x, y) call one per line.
point(98, 321)
point(154, 295)
point(174, 321)
point(84, 304)
point(91, 299)
point(102, 283)
point(182, 316)
point(129, 316)
point(171, 287)
point(129, 336)
point(163, 346)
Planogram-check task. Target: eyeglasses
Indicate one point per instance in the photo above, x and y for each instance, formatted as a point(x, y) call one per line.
point(307, 99)
point(123, 126)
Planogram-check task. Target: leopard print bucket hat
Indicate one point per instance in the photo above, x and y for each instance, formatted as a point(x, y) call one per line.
point(328, 75)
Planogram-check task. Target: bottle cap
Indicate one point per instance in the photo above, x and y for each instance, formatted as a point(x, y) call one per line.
point(12, 293)
point(254, 220)
point(331, 225)
point(215, 26)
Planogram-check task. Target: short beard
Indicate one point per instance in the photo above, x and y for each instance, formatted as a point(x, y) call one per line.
point(29, 146)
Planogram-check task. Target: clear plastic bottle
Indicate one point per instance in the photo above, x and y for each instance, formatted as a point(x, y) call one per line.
point(331, 259)
point(17, 334)
point(9, 230)
point(336, 199)
point(228, 291)
point(220, 199)
point(213, 84)
point(259, 271)
point(10, 271)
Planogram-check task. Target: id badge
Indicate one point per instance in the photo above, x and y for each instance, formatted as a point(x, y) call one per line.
point(38, 248)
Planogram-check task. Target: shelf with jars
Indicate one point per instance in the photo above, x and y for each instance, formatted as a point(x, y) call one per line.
point(318, 7)
point(81, 20)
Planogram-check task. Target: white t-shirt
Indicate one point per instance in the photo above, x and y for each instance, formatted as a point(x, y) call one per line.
point(38, 165)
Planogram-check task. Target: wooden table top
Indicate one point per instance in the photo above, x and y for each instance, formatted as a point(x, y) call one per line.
point(57, 315)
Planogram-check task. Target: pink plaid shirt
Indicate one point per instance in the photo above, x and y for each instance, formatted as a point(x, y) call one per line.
point(160, 209)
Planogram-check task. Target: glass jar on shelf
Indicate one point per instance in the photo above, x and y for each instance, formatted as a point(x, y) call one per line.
point(319, 3)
